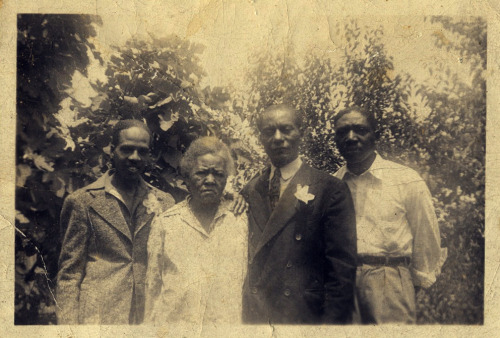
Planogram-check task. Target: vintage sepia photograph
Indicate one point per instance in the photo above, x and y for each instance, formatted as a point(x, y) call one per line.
point(250, 170)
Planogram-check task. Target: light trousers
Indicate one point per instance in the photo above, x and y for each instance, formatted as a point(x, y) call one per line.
point(385, 294)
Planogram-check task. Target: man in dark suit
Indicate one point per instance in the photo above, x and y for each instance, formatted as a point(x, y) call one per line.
point(302, 234)
point(105, 227)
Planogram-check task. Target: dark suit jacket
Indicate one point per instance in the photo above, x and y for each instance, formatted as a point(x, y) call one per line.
point(302, 263)
point(102, 266)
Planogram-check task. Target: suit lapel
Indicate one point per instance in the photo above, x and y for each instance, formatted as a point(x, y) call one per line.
point(259, 200)
point(286, 207)
point(109, 209)
point(142, 215)
point(143, 220)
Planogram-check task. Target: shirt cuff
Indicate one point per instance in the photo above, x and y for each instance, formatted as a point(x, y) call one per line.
point(426, 279)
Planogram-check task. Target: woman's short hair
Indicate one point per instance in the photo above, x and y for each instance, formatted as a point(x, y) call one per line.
point(202, 146)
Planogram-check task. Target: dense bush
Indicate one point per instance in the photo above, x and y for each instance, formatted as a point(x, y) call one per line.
point(63, 144)
point(50, 49)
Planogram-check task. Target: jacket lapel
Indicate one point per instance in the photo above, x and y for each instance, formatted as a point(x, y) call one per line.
point(144, 216)
point(109, 209)
point(259, 200)
point(286, 207)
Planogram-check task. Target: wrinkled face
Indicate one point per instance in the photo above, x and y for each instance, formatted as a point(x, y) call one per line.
point(280, 136)
point(130, 156)
point(355, 137)
point(207, 179)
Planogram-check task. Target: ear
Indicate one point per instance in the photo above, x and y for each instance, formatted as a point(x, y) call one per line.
point(187, 182)
point(184, 175)
point(302, 130)
point(261, 137)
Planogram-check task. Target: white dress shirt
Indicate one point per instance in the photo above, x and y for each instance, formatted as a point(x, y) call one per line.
point(287, 172)
point(395, 217)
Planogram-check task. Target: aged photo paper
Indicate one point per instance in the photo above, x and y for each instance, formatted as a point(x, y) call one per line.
point(233, 44)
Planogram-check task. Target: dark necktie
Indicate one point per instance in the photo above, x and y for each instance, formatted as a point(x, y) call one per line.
point(274, 189)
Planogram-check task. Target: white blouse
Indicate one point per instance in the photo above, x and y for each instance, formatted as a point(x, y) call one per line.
point(194, 276)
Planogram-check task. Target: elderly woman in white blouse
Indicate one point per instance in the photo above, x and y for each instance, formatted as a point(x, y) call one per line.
point(197, 250)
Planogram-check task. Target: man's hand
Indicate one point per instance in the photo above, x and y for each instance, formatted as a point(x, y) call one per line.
point(239, 205)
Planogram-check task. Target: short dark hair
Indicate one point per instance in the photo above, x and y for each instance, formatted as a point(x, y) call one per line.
point(202, 146)
point(127, 124)
point(363, 111)
point(298, 116)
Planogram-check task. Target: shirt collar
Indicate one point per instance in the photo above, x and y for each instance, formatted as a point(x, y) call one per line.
point(375, 169)
point(192, 221)
point(110, 188)
point(289, 170)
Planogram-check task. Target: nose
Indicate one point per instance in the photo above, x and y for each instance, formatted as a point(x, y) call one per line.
point(209, 179)
point(351, 135)
point(134, 156)
point(277, 135)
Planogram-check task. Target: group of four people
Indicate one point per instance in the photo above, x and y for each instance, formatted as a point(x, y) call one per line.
point(312, 248)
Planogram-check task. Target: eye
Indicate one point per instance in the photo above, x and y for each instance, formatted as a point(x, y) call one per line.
point(287, 129)
point(268, 132)
point(341, 132)
point(361, 130)
point(220, 174)
point(126, 150)
point(200, 173)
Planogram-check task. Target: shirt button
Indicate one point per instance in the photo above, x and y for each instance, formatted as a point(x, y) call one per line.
point(298, 237)
point(287, 292)
point(253, 290)
point(289, 264)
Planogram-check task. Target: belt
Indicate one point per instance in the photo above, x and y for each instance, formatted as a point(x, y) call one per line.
point(384, 260)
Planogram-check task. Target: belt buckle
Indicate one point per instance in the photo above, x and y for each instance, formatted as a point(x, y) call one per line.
point(386, 259)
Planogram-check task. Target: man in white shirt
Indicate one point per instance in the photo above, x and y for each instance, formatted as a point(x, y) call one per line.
point(398, 236)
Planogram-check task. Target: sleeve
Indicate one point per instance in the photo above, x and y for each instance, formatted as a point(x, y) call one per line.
point(73, 258)
point(340, 252)
point(427, 254)
point(154, 270)
point(242, 221)
point(166, 199)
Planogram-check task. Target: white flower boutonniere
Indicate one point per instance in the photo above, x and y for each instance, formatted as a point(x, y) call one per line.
point(152, 204)
point(303, 194)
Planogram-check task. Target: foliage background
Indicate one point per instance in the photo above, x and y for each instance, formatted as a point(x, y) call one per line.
point(437, 127)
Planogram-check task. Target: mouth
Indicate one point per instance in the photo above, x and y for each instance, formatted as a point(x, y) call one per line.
point(352, 149)
point(134, 170)
point(209, 196)
point(280, 150)
point(208, 192)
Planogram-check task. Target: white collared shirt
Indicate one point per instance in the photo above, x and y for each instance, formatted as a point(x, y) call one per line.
point(395, 217)
point(287, 172)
